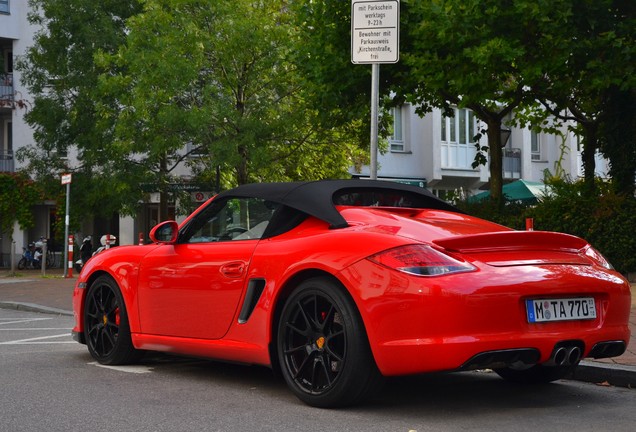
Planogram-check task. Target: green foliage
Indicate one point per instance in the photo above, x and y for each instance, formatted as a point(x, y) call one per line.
point(339, 90)
point(60, 73)
point(18, 195)
point(607, 221)
point(218, 76)
point(591, 82)
point(478, 54)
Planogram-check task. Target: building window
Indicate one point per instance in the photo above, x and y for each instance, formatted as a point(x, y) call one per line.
point(535, 146)
point(457, 137)
point(8, 130)
point(396, 140)
point(4, 6)
point(460, 128)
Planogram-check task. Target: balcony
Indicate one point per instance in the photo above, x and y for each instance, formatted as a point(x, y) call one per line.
point(512, 163)
point(7, 163)
point(6, 90)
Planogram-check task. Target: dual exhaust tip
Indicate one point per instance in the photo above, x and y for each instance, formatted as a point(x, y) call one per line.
point(565, 356)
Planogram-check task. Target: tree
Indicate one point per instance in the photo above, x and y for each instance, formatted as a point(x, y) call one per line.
point(594, 87)
point(486, 55)
point(60, 73)
point(217, 78)
point(18, 195)
point(497, 57)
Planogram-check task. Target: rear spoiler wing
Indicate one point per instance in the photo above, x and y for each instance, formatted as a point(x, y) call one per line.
point(513, 241)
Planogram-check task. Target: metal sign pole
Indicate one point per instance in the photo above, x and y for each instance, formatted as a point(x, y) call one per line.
point(375, 39)
point(66, 224)
point(66, 180)
point(375, 103)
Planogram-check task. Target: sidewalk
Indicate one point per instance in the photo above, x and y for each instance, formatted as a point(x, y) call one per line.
point(53, 294)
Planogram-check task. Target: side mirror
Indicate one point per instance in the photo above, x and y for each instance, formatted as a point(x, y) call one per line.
point(165, 232)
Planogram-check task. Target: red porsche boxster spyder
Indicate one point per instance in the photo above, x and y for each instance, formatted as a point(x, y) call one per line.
point(338, 283)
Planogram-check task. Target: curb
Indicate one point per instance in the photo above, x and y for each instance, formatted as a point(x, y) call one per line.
point(606, 373)
point(32, 307)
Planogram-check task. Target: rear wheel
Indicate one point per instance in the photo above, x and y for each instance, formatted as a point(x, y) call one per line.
point(322, 346)
point(106, 324)
point(537, 374)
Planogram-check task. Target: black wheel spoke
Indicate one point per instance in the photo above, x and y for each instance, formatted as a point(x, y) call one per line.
point(299, 348)
point(302, 366)
point(297, 330)
point(106, 326)
point(325, 370)
point(305, 316)
point(328, 319)
point(101, 320)
point(110, 336)
point(313, 343)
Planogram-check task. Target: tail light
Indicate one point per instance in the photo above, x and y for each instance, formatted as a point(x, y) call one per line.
point(421, 260)
point(596, 257)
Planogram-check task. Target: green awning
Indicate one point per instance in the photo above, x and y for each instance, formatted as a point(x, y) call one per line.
point(520, 190)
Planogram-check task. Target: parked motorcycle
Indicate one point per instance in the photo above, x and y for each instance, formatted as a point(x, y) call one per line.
point(30, 259)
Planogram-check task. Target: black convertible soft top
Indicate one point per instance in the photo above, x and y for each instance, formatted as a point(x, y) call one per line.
point(319, 198)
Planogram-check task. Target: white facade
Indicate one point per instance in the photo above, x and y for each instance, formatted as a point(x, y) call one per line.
point(438, 151)
point(16, 36)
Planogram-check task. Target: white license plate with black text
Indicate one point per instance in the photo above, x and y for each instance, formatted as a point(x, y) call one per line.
point(561, 309)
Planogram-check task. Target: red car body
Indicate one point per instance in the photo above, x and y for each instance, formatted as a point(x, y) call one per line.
point(225, 299)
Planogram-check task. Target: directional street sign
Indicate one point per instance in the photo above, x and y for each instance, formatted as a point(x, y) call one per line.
point(375, 31)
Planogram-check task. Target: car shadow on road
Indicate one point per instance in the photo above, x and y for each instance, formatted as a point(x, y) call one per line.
point(464, 393)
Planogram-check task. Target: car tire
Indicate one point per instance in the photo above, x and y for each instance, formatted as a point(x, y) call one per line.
point(322, 346)
point(537, 374)
point(106, 325)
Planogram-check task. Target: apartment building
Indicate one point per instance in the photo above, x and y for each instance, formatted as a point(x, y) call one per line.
point(437, 152)
point(16, 35)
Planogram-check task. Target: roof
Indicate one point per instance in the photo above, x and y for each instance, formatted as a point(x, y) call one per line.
point(316, 198)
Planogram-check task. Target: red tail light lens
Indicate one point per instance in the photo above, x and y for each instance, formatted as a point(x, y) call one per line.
point(421, 260)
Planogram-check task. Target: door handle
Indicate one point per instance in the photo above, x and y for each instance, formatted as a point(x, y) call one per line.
point(233, 270)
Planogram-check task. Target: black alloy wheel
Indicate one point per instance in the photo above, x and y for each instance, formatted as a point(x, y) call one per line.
point(323, 348)
point(106, 324)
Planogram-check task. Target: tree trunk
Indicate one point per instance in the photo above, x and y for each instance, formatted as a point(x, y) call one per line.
point(163, 193)
point(590, 144)
point(496, 160)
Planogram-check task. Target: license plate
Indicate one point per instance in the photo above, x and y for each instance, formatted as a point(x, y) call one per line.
point(561, 309)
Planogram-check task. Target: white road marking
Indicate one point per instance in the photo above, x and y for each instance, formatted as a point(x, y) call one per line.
point(33, 340)
point(136, 369)
point(21, 320)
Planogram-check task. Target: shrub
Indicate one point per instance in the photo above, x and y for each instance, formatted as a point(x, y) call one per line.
point(605, 219)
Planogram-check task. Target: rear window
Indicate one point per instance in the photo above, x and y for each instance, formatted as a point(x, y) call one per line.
point(379, 198)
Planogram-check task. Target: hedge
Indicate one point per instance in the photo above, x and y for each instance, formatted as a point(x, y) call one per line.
point(605, 219)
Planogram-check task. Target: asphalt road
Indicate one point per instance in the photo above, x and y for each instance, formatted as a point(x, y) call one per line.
point(49, 382)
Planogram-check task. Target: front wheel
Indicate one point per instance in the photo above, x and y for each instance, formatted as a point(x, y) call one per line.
point(106, 324)
point(22, 264)
point(322, 346)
